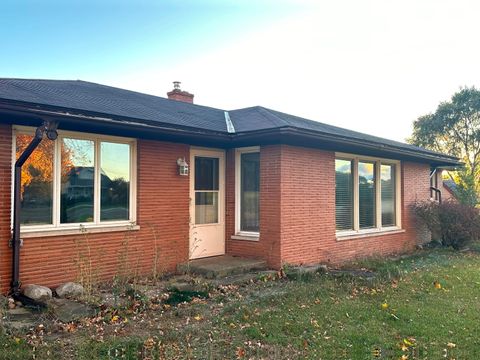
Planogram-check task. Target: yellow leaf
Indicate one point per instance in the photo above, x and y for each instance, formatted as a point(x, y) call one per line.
point(114, 318)
point(17, 340)
point(198, 317)
point(437, 285)
point(451, 345)
point(384, 306)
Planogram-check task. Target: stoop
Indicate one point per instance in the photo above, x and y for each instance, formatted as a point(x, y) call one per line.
point(221, 266)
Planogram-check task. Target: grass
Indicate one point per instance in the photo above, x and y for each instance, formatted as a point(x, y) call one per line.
point(425, 306)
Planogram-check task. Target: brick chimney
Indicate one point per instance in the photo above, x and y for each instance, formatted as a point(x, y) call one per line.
point(179, 95)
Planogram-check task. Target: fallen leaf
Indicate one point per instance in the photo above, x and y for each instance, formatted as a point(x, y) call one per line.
point(451, 345)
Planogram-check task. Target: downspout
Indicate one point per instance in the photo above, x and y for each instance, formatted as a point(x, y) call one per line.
point(50, 128)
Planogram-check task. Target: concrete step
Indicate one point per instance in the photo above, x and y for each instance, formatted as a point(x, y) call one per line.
point(221, 266)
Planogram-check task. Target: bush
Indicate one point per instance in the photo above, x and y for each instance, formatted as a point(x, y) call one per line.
point(451, 223)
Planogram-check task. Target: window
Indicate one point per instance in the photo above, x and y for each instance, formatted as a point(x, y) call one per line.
point(344, 194)
point(248, 191)
point(76, 179)
point(206, 190)
point(366, 194)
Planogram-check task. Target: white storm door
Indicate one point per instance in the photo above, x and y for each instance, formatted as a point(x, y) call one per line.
point(207, 205)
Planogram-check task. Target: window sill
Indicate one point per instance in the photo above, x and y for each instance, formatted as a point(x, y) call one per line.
point(246, 236)
point(366, 234)
point(96, 229)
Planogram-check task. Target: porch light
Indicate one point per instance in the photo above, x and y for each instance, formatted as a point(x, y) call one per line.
point(182, 167)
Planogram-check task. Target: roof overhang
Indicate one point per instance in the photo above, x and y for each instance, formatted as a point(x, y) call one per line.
point(77, 120)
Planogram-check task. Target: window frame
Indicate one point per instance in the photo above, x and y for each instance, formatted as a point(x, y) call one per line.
point(240, 234)
point(378, 196)
point(56, 225)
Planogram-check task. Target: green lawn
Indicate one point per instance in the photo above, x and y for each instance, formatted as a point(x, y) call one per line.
point(422, 307)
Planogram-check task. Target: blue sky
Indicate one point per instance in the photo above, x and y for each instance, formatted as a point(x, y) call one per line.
point(86, 39)
point(373, 65)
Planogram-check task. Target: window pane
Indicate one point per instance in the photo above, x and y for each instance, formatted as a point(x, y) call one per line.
point(37, 182)
point(206, 173)
point(76, 202)
point(115, 181)
point(206, 207)
point(250, 192)
point(366, 194)
point(343, 194)
point(388, 195)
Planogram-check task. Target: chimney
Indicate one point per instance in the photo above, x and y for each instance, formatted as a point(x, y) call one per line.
point(179, 95)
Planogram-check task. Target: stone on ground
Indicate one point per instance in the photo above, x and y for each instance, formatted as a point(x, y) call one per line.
point(69, 290)
point(37, 292)
point(67, 310)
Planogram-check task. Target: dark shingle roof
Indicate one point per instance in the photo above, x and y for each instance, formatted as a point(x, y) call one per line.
point(82, 96)
point(258, 117)
point(91, 97)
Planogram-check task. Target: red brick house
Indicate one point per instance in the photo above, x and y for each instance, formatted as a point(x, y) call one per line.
point(259, 183)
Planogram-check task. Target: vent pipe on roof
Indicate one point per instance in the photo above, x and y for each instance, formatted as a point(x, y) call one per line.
point(179, 95)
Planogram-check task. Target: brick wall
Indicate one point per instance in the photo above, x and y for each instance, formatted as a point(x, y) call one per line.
point(162, 214)
point(298, 210)
point(5, 200)
point(308, 210)
point(268, 245)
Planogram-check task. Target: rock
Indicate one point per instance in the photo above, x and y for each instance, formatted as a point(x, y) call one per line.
point(11, 305)
point(37, 292)
point(67, 310)
point(69, 290)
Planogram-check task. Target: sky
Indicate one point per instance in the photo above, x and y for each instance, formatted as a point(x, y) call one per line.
point(373, 65)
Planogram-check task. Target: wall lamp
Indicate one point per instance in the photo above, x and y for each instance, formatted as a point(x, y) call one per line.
point(182, 167)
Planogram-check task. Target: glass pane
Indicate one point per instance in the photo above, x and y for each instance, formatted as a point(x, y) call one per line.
point(115, 181)
point(250, 192)
point(366, 194)
point(37, 182)
point(206, 207)
point(76, 202)
point(388, 195)
point(206, 173)
point(343, 194)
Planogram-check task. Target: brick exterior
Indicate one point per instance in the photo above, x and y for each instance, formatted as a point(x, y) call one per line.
point(297, 217)
point(305, 225)
point(162, 214)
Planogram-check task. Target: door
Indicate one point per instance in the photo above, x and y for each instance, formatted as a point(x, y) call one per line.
point(207, 204)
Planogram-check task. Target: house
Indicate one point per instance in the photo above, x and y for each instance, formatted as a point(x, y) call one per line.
point(144, 181)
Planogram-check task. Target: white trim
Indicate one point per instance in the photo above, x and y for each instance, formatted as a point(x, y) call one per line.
point(242, 235)
point(90, 229)
point(356, 231)
point(56, 226)
point(342, 236)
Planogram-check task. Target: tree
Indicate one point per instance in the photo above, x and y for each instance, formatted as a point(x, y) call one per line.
point(454, 128)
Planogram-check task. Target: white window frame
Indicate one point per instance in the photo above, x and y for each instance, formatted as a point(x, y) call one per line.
point(56, 226)
point(239, 234)
point(378, 196)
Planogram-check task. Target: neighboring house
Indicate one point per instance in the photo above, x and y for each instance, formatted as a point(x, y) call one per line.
point(260, 184)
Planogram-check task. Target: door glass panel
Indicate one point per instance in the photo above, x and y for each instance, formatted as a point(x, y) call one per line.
point(78, 171)
point(206, 207)
point(206, 190)
point(206, 173)
point(115, 181)
point(36, 191)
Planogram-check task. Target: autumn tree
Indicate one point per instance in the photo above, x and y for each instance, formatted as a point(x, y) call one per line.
point(454, 129)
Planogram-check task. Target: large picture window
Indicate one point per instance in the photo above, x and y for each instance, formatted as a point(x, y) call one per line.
point(76, 179)
point(248, 191)
point(366, 194)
